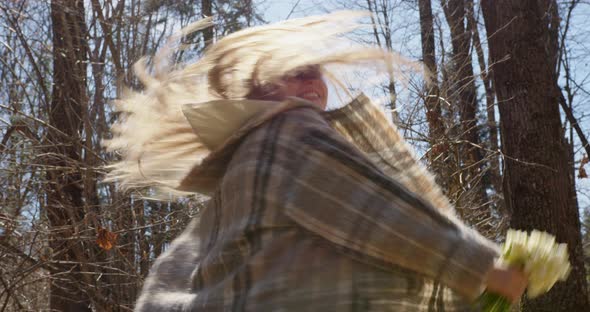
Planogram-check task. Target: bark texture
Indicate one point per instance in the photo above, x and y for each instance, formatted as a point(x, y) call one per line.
point(436, 127)
point(537, 180)
point(206, 11)
point(464, 92)
point(65, 192)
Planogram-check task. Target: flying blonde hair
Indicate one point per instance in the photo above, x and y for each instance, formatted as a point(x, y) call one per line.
point(156, 143)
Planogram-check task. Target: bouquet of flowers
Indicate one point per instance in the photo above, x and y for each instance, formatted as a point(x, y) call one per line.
point(543, 261)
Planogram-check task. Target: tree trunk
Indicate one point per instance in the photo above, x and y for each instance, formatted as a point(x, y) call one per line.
point(65, 195)
point(381, 23)
point(493, 157)
point(206, 11)
point(436, 128)
point(537, 182)
point(463, 88)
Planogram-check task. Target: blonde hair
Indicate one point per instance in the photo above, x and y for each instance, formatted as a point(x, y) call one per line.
point(157, 145)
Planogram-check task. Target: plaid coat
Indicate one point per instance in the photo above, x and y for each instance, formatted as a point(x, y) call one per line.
point(315, 211)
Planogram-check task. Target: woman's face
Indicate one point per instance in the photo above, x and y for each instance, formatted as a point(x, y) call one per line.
point(307, 85)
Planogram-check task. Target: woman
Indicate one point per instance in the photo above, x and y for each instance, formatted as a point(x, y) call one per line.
point(309, 210)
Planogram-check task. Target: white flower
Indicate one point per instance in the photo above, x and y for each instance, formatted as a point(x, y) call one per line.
point(544, 261)
point(515, 248)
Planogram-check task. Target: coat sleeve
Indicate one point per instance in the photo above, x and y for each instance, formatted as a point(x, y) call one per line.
point(328, 187)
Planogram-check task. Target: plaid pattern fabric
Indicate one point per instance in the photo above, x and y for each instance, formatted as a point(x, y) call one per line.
point(313, 212)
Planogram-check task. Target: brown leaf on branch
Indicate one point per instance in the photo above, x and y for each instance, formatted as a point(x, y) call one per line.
point(584, 160)
point(582, 173)
point(106, 239)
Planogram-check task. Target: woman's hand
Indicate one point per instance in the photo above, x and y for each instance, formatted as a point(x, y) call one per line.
point(507, 282)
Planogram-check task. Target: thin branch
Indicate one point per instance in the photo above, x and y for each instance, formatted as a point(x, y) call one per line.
point(573, 121)
point(29, 54)
point(293, 9)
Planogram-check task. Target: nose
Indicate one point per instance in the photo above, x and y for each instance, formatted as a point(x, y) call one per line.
point(309, 81)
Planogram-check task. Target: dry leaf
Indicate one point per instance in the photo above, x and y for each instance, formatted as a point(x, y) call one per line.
point(582, 173)
point(584, 160)
point(106, 239)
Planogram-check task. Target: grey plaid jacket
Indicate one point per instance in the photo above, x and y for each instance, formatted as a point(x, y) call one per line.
point(316, 211)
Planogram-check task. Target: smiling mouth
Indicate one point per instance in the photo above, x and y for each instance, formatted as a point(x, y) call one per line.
point(312, 96)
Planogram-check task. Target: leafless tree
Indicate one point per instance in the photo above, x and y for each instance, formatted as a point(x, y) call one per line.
point(537, 182)
point(70, 242)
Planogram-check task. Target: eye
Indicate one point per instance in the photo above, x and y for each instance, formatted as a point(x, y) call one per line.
point(308, 73)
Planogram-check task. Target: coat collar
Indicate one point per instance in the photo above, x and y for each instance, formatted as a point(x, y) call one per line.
point(221, 126)
point(218, 123)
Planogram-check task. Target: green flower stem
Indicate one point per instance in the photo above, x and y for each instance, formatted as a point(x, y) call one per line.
point(491, 302)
